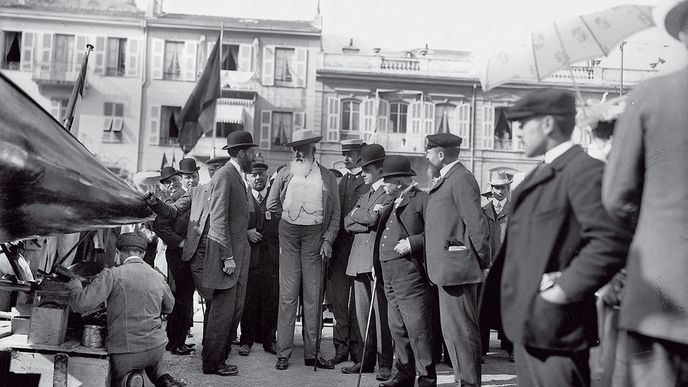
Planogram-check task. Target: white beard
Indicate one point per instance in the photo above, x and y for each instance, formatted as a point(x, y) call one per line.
point(301, 168)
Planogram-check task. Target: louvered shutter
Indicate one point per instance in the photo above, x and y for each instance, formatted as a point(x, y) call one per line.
point(46, 51)
point(99, 55)
point(414, 117)
point(27, 51)
point(429, 119)
point(463, 123)
point(131, 66)
point(189, 62)
point(488, 126)
point(157, 63)
point(383, 116)
point(265, 125)
point(268, 78)
point(245, 57)
point(367, 123)
point(154, 125)
point(333, 118)
point(301, 65)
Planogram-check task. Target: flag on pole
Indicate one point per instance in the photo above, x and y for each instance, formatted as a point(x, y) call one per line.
point(164, 161)
point(77, 94)
point(443, 127)
point(198, 114)
point(173, 158)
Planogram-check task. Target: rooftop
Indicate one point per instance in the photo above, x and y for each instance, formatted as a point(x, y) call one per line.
point(92, 7)
point(300, 26)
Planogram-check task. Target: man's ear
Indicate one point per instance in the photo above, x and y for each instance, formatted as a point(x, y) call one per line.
point(548, 125)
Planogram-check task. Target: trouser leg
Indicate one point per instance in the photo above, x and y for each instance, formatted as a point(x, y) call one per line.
point(251, 317)
point(216, 340)
point(363, 294)
point(270, 293)
point(338, 292)
point(123, 363)
point(311, 266)
point(289, 286)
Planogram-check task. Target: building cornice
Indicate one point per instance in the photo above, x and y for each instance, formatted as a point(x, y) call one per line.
point(75, 18)
point(152, 23)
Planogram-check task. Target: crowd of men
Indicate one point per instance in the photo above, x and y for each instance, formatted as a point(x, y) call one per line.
point(396, 260)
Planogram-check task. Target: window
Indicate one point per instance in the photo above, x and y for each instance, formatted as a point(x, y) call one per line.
point(444, 118)
point(230, 57)
point(113, 121)
point(63, 54)
point(116, 56)
point(59, 108)
point(172, 63)
point(281, 128)
point(222, 129)
point(285, 74)
point(351, 110)
point(397, 115)
point(169, 133)
point(12, 50)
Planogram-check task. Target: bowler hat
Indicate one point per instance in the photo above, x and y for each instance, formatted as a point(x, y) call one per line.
point(543, 102)
point(258, 167)
point(352, 145)
point(303, 137)
point(131, 239)
point(370, 154)
point(239, 139)
point(675, 18)
point(188, 166)
point(220, 161)
point(443, 140)
point(499, 178)
point(396, 166)
point(167, 172)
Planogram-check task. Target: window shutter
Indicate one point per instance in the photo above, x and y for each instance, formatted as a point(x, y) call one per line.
point(414, 117)
point(333, 113)
point(245, 57)
point(463, 123)
point(299, 120)
point(79, 50)
point(383, 117)
point(99, 51)
point(268, 66)
point(367, 115)
point(117, 124)
point(189, 63)
point(46, 51)
point(265, 125)
point(429, 122)
point(157, 63)
point(28, 43)
point(301, 65)
point(55, 108)
point(131, 65)
point(107, 124)
point(154, 122)
point(488, 126)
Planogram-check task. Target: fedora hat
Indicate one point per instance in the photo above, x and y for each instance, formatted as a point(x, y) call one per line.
point(370, 154)
point(675, 18)
point(239, 139)
point(352, 145)
point(188, 166)
point(167, 172)
point(499, 178)
point(396, 166)
point(219, 161)
point(303, 137)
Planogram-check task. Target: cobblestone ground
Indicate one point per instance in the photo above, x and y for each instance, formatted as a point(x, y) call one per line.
point(258, 369)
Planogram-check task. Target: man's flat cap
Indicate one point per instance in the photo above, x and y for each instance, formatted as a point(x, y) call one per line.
point(543, 102)
point(443, 140)
point(258, 167)
point(131, 239)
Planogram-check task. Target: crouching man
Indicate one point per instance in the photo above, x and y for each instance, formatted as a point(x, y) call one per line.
point(136, 296)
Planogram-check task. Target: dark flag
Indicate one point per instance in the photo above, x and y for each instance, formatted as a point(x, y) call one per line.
point(77, 92)
point(173, 159)
point(164, 161)
point(198, 115)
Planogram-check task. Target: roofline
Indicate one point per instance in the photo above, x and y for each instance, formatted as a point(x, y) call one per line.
point(135, 21)
point(155, 22)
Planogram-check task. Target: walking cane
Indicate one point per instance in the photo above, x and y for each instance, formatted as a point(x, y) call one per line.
point(321, 295)
point(367, 331)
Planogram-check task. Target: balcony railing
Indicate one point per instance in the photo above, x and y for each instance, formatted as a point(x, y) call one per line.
point(400, 64)
point(55, 72)
point(600, 76)
point(239, 80)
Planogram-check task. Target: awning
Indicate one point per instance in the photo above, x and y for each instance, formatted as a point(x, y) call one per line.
point(231, 114)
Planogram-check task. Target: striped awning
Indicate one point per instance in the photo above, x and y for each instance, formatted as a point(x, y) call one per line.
point(231, 114)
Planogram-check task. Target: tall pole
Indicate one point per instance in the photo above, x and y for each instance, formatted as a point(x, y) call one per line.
point(621, 47)
point(222, 30)
point(77, 90)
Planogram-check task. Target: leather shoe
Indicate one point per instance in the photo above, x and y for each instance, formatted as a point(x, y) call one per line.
point(399, 381)
point(282, 363)
point(190, 345)
point(384, 373)
point(270, 348)
point(320, 363)
point(181, 350)
point(223, 370)
point(356, 368)
point(244, 350)
point(167, 380)
point(339, 358)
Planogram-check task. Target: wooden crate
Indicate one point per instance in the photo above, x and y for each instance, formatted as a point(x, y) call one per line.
point(48, 325)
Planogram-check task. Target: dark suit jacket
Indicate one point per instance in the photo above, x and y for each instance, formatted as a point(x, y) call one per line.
point(410, 215)
point(646, 181)
point(455, 217)
point(195, 202)
point(557, 223)
point(351, 187)
point(267, 228)
point(330, 195)
point(497, 226)
point(228, 225)
point(362, 222)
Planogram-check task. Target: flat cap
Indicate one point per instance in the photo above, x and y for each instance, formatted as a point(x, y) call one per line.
point(444, 140)
point(543, 102)
point(131, 239)
point(258, 167)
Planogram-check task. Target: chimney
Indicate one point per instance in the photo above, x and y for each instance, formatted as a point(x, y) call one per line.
point(154, 8)
point(350, 49)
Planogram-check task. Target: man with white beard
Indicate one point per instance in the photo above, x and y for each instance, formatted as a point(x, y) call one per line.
point(306, 198)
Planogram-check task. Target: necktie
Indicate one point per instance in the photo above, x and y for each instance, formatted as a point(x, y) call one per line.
point(498, 207)
point(260, 198)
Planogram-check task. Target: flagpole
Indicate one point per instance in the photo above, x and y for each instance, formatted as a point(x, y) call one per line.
point(77, 89)
point(222, 30)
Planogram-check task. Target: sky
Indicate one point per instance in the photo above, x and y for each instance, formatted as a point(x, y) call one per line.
point(480, 26)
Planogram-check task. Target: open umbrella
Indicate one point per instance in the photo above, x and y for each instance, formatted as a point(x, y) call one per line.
point(564, 43)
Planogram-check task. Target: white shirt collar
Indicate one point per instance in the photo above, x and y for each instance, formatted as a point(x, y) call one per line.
point(501, 202)
point(356, 171)
point(377, 184)
point(263, 193)
point(238, 168)
point(132, 257)
point(557, 151)
point(447, 167)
